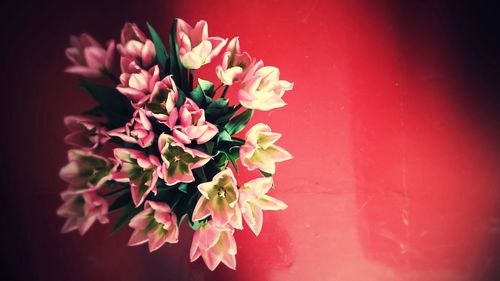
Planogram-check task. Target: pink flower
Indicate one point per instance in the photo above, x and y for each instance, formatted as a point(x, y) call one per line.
point(156, 225)
point(139, 85)
point(86, 132)
point(139, 130)
point(81, 208)
point(86, 169)
point(253, 200)
point(178, 160)
point(262, 89)
point(219, 199)
point(89, 58)
point(161, 102)
point(193, 124)
point(234, 63)
point(139, 170)
point(259, 151)
point(215, 244)
point(135, 49)
point(195, 47)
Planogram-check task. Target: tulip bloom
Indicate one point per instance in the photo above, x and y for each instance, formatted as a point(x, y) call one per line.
point(155, 225)
point(262, 89)
point(193, 124)
point(195, 47)
point(215, 244)
point(161, 102)
point(86, 132)
point(234, 63)
point(139, 130)
point(89, 58)
point(141, 85)
point(139, 170)
point(178, 160)
point(136, 50)
point(86, 169)
point(253, 200)
point(81, 208)
point(219, 199)
point(259, 150)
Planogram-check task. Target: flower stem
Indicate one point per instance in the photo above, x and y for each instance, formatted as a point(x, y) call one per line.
point(191, 79)
point(225, 92)
point(110, 75)
point(218, 87)
point(116, 191)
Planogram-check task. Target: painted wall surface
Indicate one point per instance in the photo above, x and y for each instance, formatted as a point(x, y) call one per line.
point(393, 124)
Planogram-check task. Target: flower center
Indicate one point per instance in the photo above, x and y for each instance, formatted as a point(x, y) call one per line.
point(221, 192)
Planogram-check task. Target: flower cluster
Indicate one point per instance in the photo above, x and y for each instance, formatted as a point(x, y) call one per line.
point(160, 145)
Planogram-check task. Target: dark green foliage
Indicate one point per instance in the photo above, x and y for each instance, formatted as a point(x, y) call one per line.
point(161, 52)
point(239, 122)
point(112, 104)
point(128, 212)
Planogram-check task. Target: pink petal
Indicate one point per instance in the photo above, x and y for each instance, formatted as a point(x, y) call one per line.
point(267, 202)
point(201, 210)
point(83, 71)
point(137, 238)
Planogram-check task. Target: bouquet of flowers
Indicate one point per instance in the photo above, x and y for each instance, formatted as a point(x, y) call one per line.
point(159, 146)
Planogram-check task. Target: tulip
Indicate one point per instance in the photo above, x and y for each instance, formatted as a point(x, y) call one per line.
point(234, 63)
point(215, 244)
point(253, 200)
point(195, 47)
point(161, 102)
point(193, 124)
point(139, 85)
point(135, 49)
point(86, 132)
point(219, 199)
point(259, 150)
point(86, 169)
point(156, 225)
point(178, 160)
point(81, 208)
point(139, 170)
point(89, 58)
point(262, 89)
point(138, 131)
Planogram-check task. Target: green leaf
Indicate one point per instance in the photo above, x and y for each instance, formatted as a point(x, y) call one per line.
point(120, 202)
point(115, 106)
point(222, 162)
point(197, 96)
point(183, 187)
point(265, 174)
point(202, 94)
point(207, 87)
point(209, 146)
point(234, 154)
point(239, 122)
point(128, 213)
point(222, 120)
point(217, 108)
point(95, 112)
point(224, 136)
point(161, 52)
point(201, 174)
point(194, 225)
point(181, 99)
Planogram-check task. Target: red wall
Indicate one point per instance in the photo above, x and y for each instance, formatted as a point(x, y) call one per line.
point(393, 123)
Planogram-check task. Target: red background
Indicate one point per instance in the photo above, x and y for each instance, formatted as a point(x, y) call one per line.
point(393, 123)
